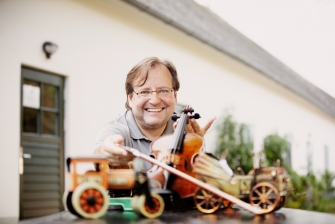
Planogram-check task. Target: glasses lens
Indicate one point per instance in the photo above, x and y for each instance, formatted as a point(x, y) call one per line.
point(164, 92)
point(145, 93)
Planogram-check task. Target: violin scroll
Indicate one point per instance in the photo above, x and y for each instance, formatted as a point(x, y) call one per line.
point(186, 110)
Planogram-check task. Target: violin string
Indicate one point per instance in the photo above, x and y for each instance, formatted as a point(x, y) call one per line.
point(179, 134)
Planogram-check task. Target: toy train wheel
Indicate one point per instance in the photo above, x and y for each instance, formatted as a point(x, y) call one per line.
point(265, 195)
point(90, 200)
point(134, 204)
point(67, 203)
point(206, 201)
point(141, 206)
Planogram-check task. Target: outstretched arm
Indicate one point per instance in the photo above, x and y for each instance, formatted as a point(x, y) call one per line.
point(116, 155)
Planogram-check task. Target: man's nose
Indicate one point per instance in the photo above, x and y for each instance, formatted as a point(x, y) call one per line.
point(154, 97)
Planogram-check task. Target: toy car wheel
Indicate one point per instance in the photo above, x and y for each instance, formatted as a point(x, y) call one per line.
point(264, 195)
point(90, 200)
point(281, 203)
point(67, 203)
point(206, 201)
point(145, 210)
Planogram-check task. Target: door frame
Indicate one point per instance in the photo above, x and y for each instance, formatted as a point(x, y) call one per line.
point(49, 78)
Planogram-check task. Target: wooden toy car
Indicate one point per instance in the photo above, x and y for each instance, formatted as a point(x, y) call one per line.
point(263, 187)
point(87, 194)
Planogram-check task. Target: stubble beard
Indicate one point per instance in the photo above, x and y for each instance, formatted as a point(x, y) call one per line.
point(154, 125)
point(148, 124)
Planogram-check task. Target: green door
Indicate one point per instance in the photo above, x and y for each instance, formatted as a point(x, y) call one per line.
point(42, 140)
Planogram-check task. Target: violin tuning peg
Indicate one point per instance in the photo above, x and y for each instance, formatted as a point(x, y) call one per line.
point(196, 116)
point(175, 117)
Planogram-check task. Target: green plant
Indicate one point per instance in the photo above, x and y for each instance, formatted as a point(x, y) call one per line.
point(237, 139)
point(275, 147)
point(306, 192)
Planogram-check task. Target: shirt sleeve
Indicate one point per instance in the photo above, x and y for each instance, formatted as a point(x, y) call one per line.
point(112, 128)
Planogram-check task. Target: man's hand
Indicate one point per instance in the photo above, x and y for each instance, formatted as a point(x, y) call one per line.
point(116, 155)
point(193, 126)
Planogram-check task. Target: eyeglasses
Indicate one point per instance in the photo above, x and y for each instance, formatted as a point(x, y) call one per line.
point(160, 92)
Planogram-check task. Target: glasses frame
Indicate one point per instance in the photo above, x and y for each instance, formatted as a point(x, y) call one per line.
point(152, 91)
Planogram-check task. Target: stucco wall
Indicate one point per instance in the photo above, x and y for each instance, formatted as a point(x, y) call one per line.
point(98, 44)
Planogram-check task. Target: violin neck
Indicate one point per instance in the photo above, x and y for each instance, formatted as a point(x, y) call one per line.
point(179, 134)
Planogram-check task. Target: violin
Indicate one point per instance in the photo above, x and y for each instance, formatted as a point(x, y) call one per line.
point(178, 150)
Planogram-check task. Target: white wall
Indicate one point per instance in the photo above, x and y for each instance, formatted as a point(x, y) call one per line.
point(98, 44)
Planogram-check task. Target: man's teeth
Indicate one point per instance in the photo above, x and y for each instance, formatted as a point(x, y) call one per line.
point(154, 110)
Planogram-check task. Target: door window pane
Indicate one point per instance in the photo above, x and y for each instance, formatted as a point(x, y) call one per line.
point(31, 94)
point(49, 97)
point(30, 120)
point(49, 123)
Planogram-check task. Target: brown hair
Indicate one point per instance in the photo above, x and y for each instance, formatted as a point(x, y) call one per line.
point(141, 70)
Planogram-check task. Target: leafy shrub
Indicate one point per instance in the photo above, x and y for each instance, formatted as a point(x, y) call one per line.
point(306, 192)
point(236, 138)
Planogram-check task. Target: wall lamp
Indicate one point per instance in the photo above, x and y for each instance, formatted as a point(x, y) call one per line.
point(49, 48)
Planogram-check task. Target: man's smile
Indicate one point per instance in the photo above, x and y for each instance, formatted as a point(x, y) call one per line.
point(154, 109)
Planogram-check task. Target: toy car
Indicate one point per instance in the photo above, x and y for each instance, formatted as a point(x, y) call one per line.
point(87, 195)
point(263, 187)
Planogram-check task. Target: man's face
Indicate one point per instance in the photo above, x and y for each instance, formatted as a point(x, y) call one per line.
point(154, 111)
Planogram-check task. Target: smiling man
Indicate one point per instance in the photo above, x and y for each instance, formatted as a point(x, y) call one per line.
point(151, 89)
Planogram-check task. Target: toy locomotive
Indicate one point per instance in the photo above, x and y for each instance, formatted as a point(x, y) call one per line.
point(87, 195)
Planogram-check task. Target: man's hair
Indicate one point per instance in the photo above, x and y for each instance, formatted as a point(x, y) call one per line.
point(140, 73)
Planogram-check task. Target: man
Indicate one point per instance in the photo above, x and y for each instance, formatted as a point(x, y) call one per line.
point(151, 89)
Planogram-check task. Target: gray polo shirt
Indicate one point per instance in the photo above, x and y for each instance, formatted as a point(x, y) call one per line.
point(126, 126)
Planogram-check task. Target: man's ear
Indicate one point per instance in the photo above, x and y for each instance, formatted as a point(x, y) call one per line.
point(130, 100)
point(175, 95)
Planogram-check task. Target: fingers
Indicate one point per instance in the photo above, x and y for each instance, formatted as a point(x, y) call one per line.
point(110, 145)
point(209, 123)
point(112, 148)
point(189, 128)
point(118, 160)
point(193, 126)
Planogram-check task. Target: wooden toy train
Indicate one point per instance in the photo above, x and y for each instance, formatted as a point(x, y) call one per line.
point(87, 194)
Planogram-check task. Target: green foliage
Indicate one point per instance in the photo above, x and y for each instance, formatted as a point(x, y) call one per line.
point(307, 192)
point(327, 180)
point(236, 138)
point(318, 194)
point(275, 147)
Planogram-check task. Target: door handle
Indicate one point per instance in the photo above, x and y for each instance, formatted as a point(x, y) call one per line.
point(21, 161)
point(26, 156)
